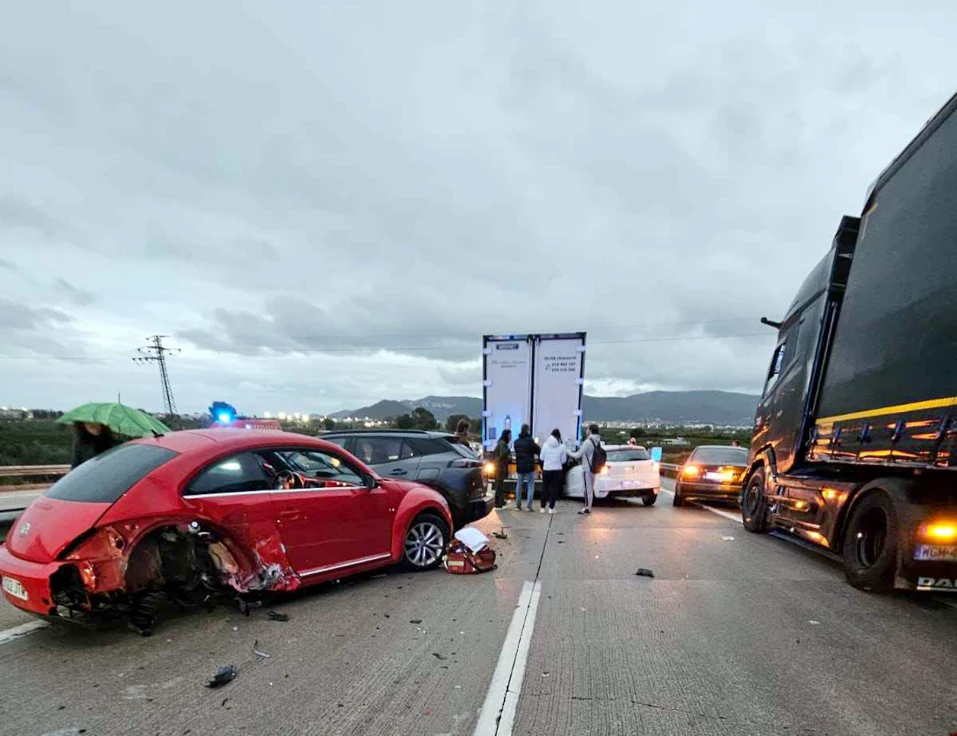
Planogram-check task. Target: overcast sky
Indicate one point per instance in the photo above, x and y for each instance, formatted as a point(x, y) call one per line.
point(325, 204)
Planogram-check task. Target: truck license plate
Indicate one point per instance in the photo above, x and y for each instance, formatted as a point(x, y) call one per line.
point(935, 553)
point(15, 588)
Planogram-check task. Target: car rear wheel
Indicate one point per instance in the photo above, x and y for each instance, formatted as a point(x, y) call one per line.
point(677, 500)
point(754, 505)
point(870, 543)
point(650, 499)
point(425, 542)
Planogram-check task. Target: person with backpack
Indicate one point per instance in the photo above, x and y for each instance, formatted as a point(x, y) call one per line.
point(500, 457)
point(526, 452)
point(553, 470)
point(593, 457)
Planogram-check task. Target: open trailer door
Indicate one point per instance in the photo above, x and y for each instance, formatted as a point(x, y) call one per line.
point(558, 386)
point(507, 386)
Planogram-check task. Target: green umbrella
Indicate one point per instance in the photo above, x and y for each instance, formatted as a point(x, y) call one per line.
point(123, 420)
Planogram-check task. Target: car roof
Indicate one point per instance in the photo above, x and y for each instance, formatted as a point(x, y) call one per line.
point(626, 447)
point(227, 439)
point(430, 434)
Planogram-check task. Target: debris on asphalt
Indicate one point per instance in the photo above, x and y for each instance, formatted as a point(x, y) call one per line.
point(223, 676)
point(645, 572)
point(728, 539)
point(235, 628)
point(66, 732)
point(223, 704)
point(277, 616)
point(500, 534)
point(257, 652)
point(245, 607)
point(544, 674)
point(814, 623)
point(439, 657)
point(415, 620)
point(561, 541)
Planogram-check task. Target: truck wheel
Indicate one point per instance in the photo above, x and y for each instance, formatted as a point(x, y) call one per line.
point(677, 500)
point(754, 505)
point(870, 543)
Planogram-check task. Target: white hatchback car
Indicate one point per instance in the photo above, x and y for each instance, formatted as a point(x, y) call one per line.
point(629, 472)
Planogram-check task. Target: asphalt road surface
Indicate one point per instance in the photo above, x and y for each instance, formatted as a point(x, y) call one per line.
point(750, 635)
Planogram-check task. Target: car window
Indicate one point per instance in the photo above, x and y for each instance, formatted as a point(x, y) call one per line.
point(379, 450)
point(719, 456)
point(320, 465)
point(341, 441)
point(241, 473)
point(106, 477)
point(424, 446)
point(632, 454)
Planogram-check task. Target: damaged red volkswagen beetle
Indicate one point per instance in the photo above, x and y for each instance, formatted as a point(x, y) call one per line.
point(193, 513)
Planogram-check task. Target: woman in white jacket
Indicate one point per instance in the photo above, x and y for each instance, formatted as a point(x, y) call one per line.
point(553, 470)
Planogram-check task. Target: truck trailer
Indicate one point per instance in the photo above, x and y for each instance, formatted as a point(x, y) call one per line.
point(855, 436)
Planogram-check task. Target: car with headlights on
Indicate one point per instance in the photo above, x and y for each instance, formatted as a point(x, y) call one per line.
point(711, 472)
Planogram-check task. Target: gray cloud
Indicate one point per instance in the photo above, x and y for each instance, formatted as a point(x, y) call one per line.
point(79, 297)
point(332, 207)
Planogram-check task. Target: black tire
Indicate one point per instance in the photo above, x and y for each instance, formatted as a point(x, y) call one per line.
point(425, 542)
point(754, 505)
point(870, 542)
point(650, 499)
point(677, 500)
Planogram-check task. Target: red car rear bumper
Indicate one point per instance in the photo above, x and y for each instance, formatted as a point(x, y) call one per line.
point(34, 578)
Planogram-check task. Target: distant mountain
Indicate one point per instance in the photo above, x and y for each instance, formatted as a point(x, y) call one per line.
point(380, 410)
point(670, 407)
point(674, 407)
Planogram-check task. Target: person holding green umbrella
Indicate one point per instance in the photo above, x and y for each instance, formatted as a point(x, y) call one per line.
point(99, 427)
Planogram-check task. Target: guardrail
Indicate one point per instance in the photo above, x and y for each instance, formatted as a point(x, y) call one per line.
point(668, 470)
point(32, 471)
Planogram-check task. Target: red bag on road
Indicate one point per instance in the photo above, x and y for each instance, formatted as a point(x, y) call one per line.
point(460, 560)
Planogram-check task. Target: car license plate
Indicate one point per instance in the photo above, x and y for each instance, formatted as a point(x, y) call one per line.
point(935, 553)
point(629, 484)
point(720, 477)
point(15, 588)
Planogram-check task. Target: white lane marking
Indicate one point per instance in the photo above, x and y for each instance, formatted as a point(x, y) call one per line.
point(498, 711)
point(719, 512)
point(16, 632)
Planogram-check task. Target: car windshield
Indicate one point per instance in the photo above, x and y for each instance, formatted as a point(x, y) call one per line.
point(720, 456)
point(106, 477)
point(632, 454)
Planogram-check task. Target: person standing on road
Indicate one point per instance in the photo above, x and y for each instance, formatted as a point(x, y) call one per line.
point(554, 458)
point(500, 457)
point(462, 430)
point(526, 451)
point(89, 440)
point(585, 453)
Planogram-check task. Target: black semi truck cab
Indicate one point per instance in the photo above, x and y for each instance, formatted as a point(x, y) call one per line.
point(855, 435)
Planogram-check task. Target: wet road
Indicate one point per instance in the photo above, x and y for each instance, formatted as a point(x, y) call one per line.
point(750, 635)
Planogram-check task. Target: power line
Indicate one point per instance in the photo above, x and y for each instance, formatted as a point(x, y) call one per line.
point(155, 352)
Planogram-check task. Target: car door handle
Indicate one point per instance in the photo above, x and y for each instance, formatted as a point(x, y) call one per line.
point(293, 514)
point(398, 471)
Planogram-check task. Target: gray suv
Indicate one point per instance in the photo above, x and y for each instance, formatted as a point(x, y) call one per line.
point(435, 459)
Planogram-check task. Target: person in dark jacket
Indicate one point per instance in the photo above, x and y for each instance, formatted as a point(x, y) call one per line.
point(91, 439)
point(500, 456)
point(526, 451)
